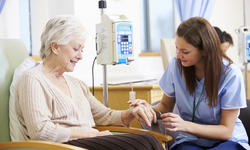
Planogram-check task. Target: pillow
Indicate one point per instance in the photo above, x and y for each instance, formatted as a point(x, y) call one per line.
point(16, 130)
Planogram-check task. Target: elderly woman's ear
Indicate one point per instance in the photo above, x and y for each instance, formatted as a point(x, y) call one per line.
point(54, 48)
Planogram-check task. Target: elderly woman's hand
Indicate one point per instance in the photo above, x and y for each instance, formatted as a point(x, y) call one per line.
point(136, 102)
point(77, 134)
point(142, 111)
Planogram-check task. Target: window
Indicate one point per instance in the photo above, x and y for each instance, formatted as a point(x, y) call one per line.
point(157, 22)
point(24, 12)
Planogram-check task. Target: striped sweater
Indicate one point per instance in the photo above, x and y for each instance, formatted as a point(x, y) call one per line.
point(46, 113)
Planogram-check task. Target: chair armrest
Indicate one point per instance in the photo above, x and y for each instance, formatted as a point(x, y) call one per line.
point(39, 145)
point(161, 137)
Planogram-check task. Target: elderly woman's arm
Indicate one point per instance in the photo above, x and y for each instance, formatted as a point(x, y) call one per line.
point(34, 111)
point(106, 116)
point(78, 133)
point(35, 108)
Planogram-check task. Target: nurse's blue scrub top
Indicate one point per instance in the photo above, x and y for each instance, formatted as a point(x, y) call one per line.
point(231, 95)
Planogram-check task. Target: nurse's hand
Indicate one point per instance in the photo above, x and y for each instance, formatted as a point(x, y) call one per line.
point(173, 122)
point(143, 111)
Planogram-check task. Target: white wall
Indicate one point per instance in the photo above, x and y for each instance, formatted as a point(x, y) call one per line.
point(228, 17)
point(41, 11)
point(10, 20)
point(39, 16)
point(227, 14)
point(247, 5)
point(89, 13)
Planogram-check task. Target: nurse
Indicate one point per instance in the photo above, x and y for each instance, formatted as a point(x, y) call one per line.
point(208, 90)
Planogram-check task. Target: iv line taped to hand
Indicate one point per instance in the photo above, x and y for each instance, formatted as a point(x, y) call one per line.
point(132, 94)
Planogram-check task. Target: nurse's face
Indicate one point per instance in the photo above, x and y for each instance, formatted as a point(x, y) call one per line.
point(187, 53)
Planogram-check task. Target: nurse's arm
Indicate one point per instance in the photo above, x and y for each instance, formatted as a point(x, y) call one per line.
point(166, 105)
point(223, 131)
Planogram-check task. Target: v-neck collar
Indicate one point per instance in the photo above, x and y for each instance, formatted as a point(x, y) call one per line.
point(200, 81)
point(56, 88)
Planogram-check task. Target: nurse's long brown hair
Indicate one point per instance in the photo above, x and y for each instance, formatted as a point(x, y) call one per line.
point(198, 32)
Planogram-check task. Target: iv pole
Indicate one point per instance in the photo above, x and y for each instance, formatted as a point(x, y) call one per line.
point(246, 63)
point(102, 5)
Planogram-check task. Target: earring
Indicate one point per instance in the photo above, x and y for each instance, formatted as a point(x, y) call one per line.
point(54, 51)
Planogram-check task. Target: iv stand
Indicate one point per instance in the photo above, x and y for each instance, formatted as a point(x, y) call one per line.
point(102, 5)
point(105, 86)
point(246, 63)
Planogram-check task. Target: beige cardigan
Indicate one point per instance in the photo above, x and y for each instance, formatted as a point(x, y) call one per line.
point(46, 113)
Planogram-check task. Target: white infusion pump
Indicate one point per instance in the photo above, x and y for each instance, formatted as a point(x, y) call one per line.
point(114, 40)
point(244, 43)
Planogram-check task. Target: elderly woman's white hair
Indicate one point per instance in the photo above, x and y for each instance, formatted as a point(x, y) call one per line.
point(61, 29)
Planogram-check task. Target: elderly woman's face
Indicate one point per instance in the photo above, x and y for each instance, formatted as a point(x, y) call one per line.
point(70, 54)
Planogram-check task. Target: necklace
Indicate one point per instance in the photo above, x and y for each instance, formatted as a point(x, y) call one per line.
point(194, 103)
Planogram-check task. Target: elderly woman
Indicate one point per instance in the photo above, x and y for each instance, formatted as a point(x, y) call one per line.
point(56, 107)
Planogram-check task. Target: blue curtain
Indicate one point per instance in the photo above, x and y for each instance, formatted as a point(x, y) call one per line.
point(194, 8)
point(2, 2)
